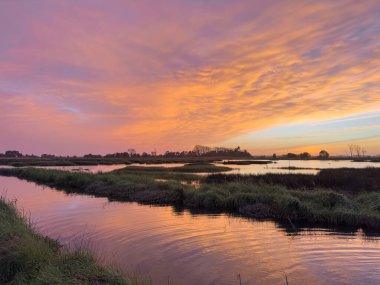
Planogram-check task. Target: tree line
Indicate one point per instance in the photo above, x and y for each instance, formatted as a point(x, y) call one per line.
point(198, 151)
point(323, 154)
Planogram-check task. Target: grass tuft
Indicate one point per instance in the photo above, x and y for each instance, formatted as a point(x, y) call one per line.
point(28, 258)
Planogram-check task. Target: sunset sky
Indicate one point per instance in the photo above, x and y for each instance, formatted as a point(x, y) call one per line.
point(91, 76)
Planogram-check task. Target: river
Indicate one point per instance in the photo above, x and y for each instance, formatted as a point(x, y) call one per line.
point(163, 243)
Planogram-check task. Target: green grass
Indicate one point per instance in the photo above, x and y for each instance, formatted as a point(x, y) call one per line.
point(286, 198)
point(348, 180)
point(317, 207)
point(28, 258)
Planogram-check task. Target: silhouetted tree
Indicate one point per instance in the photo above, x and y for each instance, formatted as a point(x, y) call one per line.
point(46, 155)
point(358, 150)
point(92, 155)
point(13, 153)
point(132, 152)
point(305, 155)
point(324, 154)
point(351, 148)
point(291, 155)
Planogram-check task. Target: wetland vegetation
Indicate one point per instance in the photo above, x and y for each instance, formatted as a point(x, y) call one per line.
point(28, 258)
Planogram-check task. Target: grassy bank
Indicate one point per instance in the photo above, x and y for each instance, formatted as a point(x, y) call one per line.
point(256, 196)
point(348, 180)
point(28, 258)
point(247, 162)
point(187, 168)
point(114, 185)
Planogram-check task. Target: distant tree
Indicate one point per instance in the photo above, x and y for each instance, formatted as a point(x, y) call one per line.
point(132, 152)
point(200, 149)
point(274, 156)
point(305, 155)
point(92, 155)
point(47, 155)
point(358, 150)
point(117, 155)
point(291, 155)
point(324, 154)
point(13, 153)
point(351, 149)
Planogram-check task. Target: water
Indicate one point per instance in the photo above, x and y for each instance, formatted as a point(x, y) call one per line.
point(158, 242)
point(310, 166)
point(86, 168)
point(105, 168)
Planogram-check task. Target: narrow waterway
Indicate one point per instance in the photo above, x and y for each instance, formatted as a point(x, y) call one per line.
point(161, 242)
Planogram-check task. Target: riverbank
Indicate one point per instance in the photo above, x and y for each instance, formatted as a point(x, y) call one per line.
point(345, 180)
point(256, 197)
point(26, 257)
point(187, 168)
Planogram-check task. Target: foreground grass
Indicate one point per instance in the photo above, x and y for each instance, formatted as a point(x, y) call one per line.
point(31, 259)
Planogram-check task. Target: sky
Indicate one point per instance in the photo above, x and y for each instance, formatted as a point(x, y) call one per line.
point(95, 76)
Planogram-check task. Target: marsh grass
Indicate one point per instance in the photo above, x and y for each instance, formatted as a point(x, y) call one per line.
point(347, 180)
point(29, 258)
point(187, 168)
point(247, 162)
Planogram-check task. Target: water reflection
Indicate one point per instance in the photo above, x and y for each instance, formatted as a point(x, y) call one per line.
point(309, 166)
point(195, 248)
point(107, 168)
point(280, 166)
point(86, 168)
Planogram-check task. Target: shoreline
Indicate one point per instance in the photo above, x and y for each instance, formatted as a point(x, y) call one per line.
point(28, 257)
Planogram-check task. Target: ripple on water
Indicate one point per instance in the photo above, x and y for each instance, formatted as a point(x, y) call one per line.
point(198, 249)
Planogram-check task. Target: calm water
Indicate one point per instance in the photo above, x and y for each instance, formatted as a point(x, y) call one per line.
point(158, 242)
point(107, 168)
point(312, 165)
point(87, 168)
